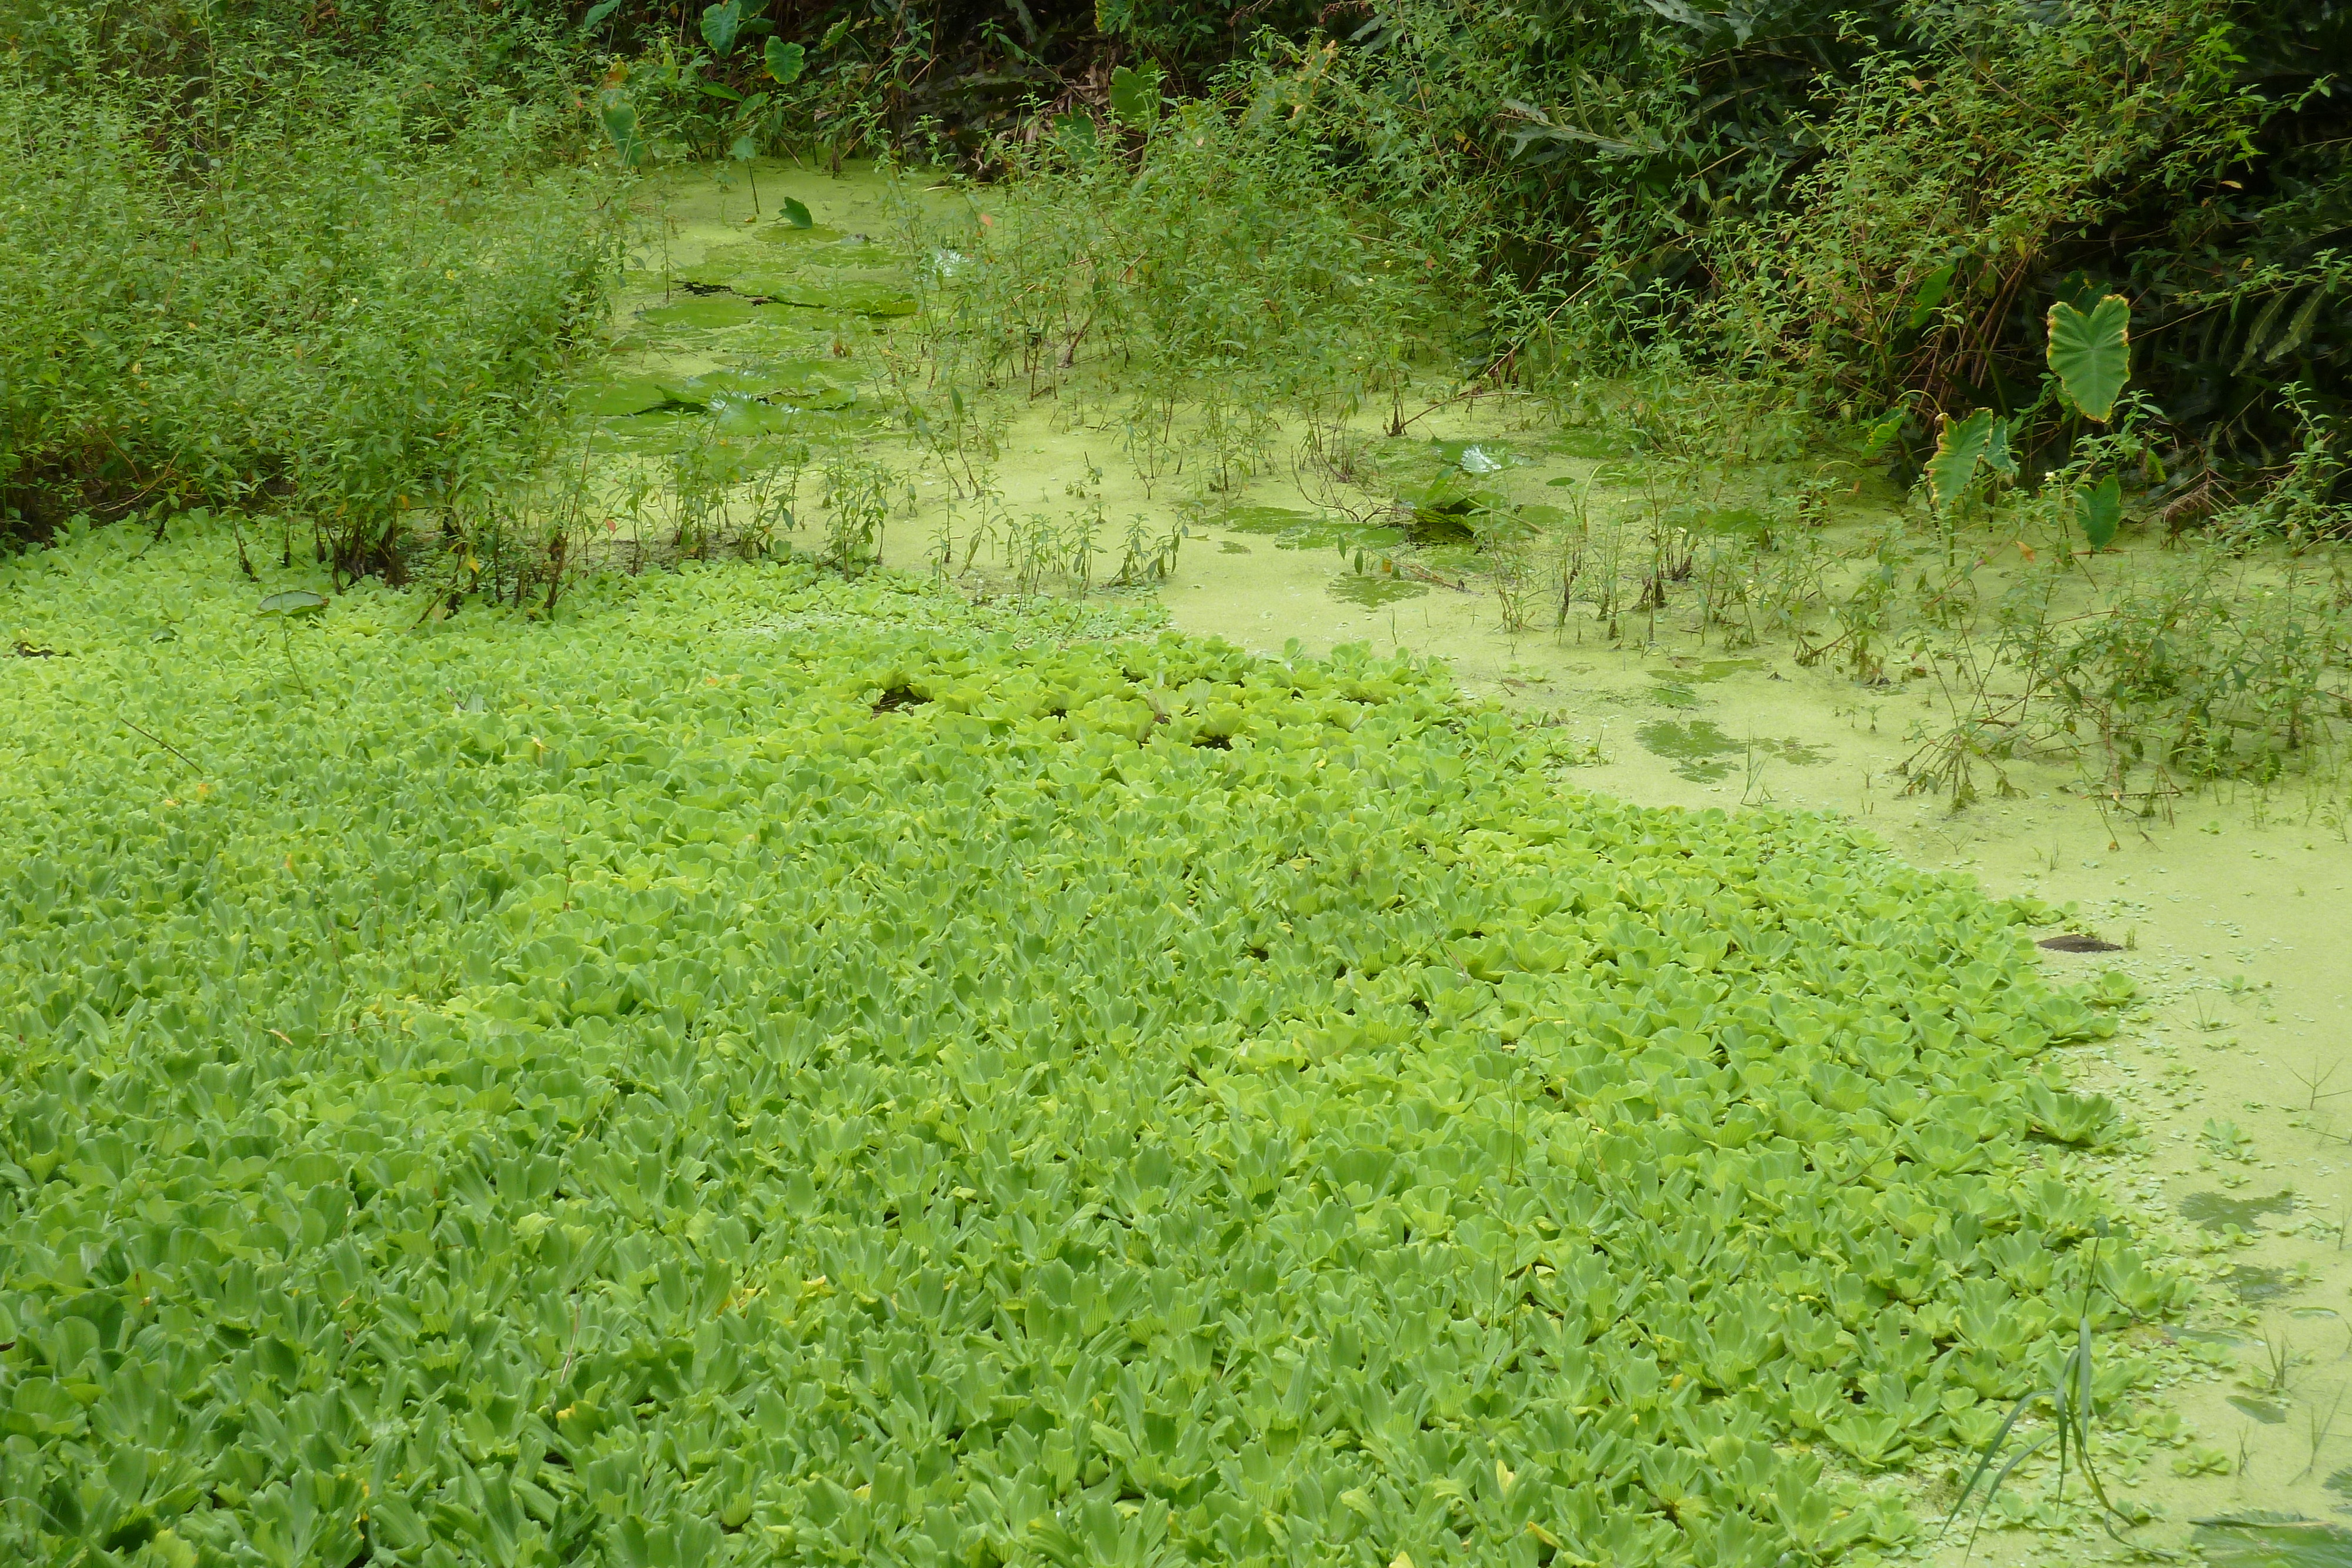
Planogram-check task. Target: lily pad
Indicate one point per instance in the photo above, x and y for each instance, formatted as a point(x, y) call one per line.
point(620, 399)
point(853, 296)
point(704, 311)
point(1268, 520)
point(807, 382)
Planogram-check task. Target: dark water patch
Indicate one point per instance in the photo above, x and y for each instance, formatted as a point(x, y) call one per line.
point(1232, 546)
point(2213, 1211)
point(1291, 529)
point(1697, 749)
point(1370, 588)
point(1267, 522)
point(2253, 1282)
point(2077, 942)
point(1674, 696)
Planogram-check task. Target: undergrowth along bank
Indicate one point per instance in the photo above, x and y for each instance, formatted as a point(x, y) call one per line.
point(771, 1067)
point(280, 272)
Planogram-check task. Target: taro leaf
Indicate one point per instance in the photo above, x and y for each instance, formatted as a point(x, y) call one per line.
point(796, 213)
point(620, 118)
point(744, 150)
point(785, 61)
point(597, 13)
point(1886, 427)
point(2101, 510)
point(292, 602)
point(1077, 134)
point(2091, 353)
point(1961, 446)
point(719, 25)
point(1135, 96)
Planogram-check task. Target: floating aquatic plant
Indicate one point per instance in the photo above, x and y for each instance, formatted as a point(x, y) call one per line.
point(769, 1067)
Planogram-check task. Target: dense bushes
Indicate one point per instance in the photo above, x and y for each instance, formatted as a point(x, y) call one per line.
point(1886, 198)
point(254, 267)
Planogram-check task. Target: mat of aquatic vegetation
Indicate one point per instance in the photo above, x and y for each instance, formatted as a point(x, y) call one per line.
point(777, 1069)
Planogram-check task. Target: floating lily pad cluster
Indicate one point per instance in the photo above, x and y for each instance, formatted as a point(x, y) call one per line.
point(780, 308)
point(775, 1069)
point(804, 397)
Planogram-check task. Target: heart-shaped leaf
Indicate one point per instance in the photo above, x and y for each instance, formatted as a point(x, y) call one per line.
point(292, 602)
point(2090, 353)
point(785, 61)
point(1135, 96)
point(1961, 446)
point(1076, 135)
point(796, 213)
point(719, 25)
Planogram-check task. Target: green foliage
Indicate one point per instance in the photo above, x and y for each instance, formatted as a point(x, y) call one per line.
point(774, 1068)
point(1954, 171)
point(2100, 512)
point(2073, 1399)
point(721, 24)
point(1194, 283)
point(1135, 97)
point(1962, 447)
point(281, 285)
point(2090, 353)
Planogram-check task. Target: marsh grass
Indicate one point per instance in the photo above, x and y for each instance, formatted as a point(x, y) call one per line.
point(1183, 287)
point(2071, 1401)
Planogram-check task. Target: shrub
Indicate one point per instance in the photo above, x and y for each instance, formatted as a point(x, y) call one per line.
point(304, 295)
